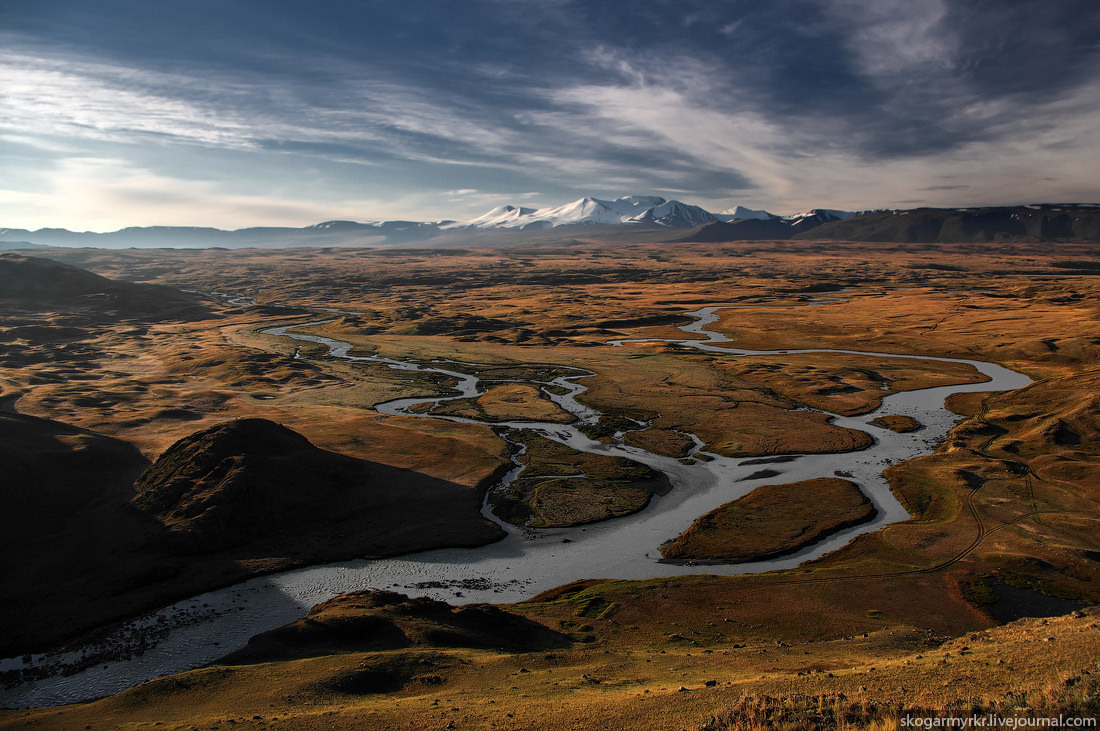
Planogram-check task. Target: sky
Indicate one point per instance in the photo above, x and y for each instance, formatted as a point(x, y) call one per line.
point(121, 113)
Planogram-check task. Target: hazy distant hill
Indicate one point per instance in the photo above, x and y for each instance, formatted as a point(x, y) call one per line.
point(34, 283)
point(329, 233)
point(960, 225)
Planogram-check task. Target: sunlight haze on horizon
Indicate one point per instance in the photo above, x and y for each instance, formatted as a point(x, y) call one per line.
point(202, 113)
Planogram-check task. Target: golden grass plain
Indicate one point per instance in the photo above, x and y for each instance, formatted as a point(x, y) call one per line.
point(1013, 496)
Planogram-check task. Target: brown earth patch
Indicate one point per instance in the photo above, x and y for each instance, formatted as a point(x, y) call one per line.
point(661, 441)
point(772, 521)
point(844, 384)
point(560, 486)
point(897, 422)
point(507, 402)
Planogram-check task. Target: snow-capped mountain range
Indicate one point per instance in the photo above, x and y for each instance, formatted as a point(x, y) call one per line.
point(634, 210)
point(629, 209)
point(592, 211)
point(740, 213)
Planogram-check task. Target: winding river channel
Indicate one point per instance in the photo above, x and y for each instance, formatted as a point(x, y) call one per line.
point(196, 631)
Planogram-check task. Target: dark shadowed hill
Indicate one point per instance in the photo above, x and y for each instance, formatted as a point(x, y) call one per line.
point(921, 225)
point(746, 230)
point(253, 480)
point(33, 283)
point(966, 225)
point(752, 229)
point(64, 533)
point(237, 500)
point(373, 621)
point(55, 471)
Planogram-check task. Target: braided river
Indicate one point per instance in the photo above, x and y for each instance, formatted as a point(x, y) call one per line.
point(197, 631)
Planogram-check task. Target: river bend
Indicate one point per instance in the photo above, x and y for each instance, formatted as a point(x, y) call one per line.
point(199, 630)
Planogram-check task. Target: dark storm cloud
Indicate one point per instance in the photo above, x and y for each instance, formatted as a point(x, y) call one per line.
point(982, 59)
point(1037, 49)
point(493, 60)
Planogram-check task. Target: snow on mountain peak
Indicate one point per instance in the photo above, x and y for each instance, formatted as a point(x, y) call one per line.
point(635, 209)
point(821, 213)
point(506, 216)
point(594, 211)
point(740, 213)
point(637, 202)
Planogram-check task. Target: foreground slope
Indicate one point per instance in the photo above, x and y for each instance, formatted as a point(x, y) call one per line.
point(348, 667)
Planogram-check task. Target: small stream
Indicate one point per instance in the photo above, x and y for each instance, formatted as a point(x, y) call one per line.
point(199, 630)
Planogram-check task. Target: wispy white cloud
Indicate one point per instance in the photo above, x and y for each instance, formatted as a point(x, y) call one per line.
point(739, 140)
point(40, 97)
point(354, 121)
point(468, 199)
point(106, 194)
point(67, 99)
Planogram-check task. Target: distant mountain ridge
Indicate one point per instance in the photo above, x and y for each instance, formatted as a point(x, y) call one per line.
point(612, 220)
point(328, 233)
point(769, 227)
point(639, 211)
point(1036, 222)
